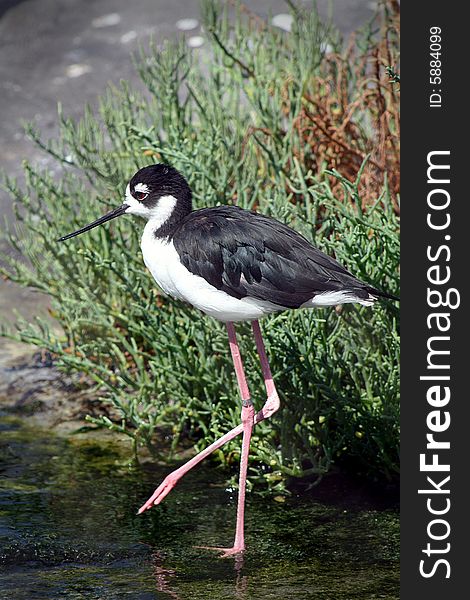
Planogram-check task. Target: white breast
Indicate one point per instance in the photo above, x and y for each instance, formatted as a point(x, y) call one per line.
point(162, 260)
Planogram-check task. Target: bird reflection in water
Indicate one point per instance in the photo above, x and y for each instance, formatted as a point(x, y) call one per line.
point(165, 584)
point(163, 577)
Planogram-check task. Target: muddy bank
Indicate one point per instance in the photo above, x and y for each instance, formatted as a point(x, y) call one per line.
point(33, 388)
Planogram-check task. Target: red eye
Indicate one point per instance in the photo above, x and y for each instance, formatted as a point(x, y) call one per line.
point(140, 195)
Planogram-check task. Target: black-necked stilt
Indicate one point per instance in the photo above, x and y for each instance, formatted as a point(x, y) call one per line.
point(234, 265)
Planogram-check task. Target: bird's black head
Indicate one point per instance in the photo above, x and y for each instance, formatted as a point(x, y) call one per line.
point(152, 183)
point(158, 193)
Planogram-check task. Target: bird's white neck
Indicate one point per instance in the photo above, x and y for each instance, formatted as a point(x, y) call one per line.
point(157, 215)
point(161, 213)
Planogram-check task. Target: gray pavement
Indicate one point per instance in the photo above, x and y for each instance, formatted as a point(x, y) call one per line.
point(68, 50)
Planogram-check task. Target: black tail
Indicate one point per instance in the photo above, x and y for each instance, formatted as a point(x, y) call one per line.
point(380, 294)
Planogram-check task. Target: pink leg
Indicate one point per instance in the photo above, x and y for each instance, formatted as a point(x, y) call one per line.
point(170, 481)
point(270, 407)
point(248, 421)
point(272, 403)
point(248, 414)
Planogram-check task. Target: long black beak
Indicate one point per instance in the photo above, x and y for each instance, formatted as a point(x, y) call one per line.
point(117, 212)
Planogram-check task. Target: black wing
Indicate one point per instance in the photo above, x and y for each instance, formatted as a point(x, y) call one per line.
point(247, 254)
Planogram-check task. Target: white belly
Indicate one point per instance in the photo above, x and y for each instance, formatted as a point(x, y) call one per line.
point(174, 279)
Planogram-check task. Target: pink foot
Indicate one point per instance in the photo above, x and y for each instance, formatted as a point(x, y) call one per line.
point(162, 490)
point(225, 552)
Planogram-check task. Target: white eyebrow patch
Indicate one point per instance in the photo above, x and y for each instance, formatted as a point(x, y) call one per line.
point(142, 187)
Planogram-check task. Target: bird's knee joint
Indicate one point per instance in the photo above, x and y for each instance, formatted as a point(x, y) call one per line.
point(248, 413)
point(273, 400)
point(272, 405)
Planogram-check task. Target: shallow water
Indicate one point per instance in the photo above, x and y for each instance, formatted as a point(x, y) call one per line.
point(68, 529)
